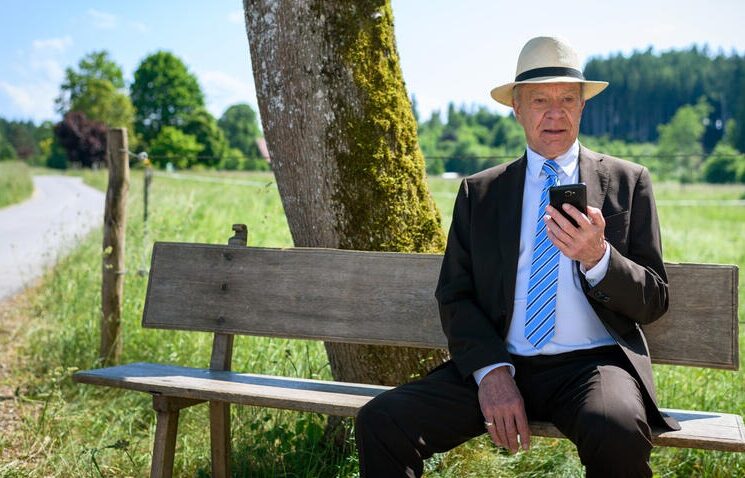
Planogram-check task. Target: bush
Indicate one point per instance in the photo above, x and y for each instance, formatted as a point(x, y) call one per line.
point(172, 145)
point(724, 165)
point(57, 158)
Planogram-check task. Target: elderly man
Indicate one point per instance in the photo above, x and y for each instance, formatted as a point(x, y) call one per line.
point(542, 316)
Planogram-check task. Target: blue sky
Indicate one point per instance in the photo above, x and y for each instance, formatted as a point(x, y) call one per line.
point(451, 50)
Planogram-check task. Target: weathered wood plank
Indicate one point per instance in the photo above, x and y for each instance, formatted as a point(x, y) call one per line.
point(388, 298)
point(707, 430)
point(701, 327)
point(332, 398)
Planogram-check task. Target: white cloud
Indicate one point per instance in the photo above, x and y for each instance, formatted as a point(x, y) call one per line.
point(54, 44)
point(222, 90)
point(102, 20)
point(51, 69)
point(35, 100)
point(22, 97)
point(236, 17)
point(139, 27)
point(37, 84)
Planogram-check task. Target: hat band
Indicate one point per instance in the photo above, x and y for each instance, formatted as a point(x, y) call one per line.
point(549, 71)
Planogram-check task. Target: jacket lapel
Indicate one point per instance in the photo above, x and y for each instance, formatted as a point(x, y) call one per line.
point(511, 185)
point(594, 174)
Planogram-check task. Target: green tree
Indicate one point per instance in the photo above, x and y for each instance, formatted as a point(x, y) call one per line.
point(737, 133)
point(202, 125)
point(102, 102)
point(96, 89)
point(20, 134)
point(164, 93)
point(429, 133)
point(95, 66)
point(679, 143)
point(57, 158)
point(6, 149)
point(174, 146)
point(43, 135)
point(508, 134)
point(241, 128)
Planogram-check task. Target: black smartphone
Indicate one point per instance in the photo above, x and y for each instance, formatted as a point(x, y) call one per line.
point(574, 194)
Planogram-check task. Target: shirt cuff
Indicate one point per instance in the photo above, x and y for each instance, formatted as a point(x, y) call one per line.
point(597, 273)
point(479, 374)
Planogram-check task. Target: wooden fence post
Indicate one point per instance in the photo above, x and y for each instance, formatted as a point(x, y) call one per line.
point(115, 222)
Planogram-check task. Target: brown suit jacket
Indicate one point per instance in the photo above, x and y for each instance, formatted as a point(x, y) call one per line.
point(476, 288)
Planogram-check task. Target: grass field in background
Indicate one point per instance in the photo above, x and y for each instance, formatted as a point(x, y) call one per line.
point(15, 182)
point(78, 430)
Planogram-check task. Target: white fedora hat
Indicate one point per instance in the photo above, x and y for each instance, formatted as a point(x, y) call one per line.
point(547, 60)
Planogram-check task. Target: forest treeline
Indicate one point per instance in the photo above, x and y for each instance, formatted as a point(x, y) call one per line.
point(646, 89)
point(681, 113)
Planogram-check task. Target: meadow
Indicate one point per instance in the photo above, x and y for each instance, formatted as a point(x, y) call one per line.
point(85, 431)
point(15, 182)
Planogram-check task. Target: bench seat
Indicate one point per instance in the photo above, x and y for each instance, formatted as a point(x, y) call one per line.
point(706, 430)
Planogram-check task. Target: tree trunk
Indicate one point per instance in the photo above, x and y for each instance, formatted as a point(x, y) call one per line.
point(342, 138)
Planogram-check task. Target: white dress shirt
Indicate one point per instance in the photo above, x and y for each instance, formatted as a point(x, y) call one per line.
point(577, 325)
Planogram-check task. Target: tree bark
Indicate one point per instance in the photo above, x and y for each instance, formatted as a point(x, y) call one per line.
point(342, 138)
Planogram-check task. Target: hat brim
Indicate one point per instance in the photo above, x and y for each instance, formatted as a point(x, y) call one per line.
point(503, 93)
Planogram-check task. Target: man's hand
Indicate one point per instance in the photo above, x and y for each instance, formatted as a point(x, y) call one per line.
point(502, 405)
point(584, 243)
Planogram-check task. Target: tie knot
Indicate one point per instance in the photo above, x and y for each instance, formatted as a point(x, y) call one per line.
point(551, 168)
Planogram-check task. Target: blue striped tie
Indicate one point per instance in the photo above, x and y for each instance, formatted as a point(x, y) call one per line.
point(540, 317)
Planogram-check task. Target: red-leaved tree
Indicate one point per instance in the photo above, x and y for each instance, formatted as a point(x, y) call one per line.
point(83, 140)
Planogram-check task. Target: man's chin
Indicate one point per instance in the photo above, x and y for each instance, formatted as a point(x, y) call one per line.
point(553, 149)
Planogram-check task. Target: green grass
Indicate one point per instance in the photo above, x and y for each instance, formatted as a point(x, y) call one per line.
point(91, 431)
point(15, 182)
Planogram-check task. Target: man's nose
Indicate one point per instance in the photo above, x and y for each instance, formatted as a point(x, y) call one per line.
point(555, 109)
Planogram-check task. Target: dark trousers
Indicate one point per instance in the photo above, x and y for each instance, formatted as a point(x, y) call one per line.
point(592, 396)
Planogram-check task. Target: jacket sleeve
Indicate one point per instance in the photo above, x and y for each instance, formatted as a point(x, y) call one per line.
point(473, 340)
point(635, 284)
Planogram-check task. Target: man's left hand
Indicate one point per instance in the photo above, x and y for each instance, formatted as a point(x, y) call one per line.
point(584, 243)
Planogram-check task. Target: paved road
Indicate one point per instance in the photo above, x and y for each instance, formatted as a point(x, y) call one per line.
point(36, 233)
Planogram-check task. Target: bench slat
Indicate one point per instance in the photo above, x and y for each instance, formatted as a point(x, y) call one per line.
point(388, 298)
point(712, 431)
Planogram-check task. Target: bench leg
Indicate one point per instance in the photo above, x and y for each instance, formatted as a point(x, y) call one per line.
point(220, 437)
point(165, 444)
point(164, 447)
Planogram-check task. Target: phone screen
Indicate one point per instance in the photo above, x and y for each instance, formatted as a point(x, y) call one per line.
point(574, 194)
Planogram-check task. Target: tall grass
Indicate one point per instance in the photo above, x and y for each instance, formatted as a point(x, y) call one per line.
point(15, 182)
point(91, 432)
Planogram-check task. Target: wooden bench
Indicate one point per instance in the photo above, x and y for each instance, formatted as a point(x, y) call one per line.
point(371, 298)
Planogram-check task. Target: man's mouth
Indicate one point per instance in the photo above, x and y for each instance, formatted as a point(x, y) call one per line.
point(554, 131)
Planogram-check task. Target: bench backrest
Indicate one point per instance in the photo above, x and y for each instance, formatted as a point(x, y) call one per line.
point(388, 298)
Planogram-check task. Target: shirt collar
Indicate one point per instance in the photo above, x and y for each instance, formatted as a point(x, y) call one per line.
point(567, 162)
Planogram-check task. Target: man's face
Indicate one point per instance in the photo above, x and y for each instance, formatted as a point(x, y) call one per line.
point(550, 114)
